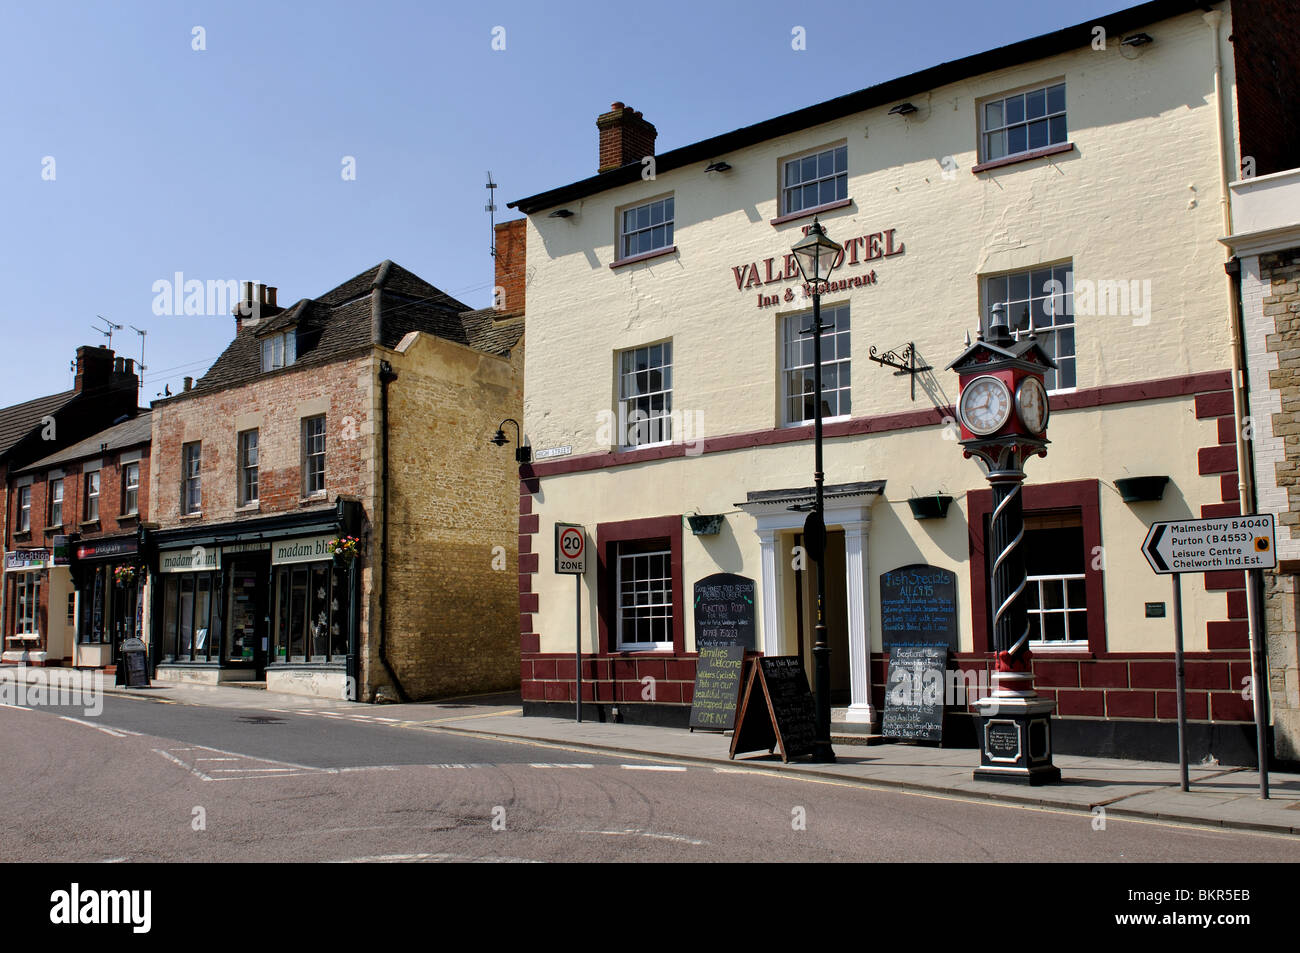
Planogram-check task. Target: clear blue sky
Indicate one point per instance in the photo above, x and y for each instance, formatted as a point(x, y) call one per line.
point(226, 163)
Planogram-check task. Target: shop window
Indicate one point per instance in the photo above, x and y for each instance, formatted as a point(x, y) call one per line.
point(313, 455)
point(1039, 301)
point(1056, 591)
point(645, 395)
point(92, 497)
point(644, 587)
point(191, 621)
point(131, 489)
point(311, 614)
point(1023, 122)
point(28, 603)
point(798, 391)
point(813, 180)
point(646, 228)
point(248, 467)
point(191, 478)
point(72, 608)
point(24, 509)
point(93, 631)
point(56, 503)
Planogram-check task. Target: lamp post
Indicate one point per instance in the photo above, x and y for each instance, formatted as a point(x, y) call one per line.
point(523, 453)
point(817, 256)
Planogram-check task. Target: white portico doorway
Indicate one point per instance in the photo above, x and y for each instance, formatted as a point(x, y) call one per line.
point(785, 592)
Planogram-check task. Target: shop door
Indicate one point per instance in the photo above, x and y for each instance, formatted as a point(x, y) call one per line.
point(248, 612)
point(122, 604)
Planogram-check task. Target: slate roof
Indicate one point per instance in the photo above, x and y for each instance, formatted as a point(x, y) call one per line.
point(19, 420)
point(339, 323)
point(493, 331)
point(129, 433)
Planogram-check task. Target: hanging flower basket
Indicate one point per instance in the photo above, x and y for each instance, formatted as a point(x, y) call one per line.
point(124, 575)
point(345, 549)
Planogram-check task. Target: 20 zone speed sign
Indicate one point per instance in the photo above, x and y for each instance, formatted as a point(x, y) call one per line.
point(570, 549)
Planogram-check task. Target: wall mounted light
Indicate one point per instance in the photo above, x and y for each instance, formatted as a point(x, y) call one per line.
point(1136, 39)
point(523, 454)
point(561, 213)
point(903, 109)
point(1144, 489)
point(719, 166)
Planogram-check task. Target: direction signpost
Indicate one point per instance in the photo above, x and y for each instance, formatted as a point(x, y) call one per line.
point(571, 559)
point(1225, 544)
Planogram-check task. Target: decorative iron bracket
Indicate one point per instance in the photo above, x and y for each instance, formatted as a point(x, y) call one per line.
point(902, 360)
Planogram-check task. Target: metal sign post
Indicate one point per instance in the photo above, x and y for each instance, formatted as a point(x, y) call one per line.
point(1226, 544)
point(571, 559)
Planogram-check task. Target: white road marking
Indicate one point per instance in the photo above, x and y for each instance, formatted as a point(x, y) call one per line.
point(544, 764)
point(90, 724)
point(434, 859)
point(653, 835)
point(197, 760)
point(17, 707)
point(651, 767)
point(192, 770)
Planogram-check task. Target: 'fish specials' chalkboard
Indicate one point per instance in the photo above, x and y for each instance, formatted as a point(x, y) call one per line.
point(918, 603)
point(777, 711)
point(724, 611)
point(914, 692)
point(717, 686)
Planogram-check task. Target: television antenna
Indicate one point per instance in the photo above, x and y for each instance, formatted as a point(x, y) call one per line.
point(491, 208)
point(142, 366)
point(109, 332)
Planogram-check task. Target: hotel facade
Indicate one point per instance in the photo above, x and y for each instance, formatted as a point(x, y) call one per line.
point(1076, 178)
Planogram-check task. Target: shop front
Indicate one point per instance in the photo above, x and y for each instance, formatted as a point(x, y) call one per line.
point(111, 597)
point(40, 607)
point(259, 600)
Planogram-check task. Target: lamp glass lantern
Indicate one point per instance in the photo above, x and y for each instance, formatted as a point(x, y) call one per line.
point(816, 253)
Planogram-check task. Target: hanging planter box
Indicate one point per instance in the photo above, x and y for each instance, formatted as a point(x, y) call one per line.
point(929, 507)
point(1141, 489)
point(705, 525)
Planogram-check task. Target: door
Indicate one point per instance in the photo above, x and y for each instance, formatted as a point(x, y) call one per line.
point(248, 600)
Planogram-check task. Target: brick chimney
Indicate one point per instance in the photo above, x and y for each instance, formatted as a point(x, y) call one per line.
point(95, 366)
point(624, 137)
point(511, 238)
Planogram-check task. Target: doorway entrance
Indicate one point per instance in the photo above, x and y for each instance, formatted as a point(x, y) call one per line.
point(248, 633)
point(837, 616)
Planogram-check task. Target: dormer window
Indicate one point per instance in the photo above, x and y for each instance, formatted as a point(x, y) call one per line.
point(279, 350)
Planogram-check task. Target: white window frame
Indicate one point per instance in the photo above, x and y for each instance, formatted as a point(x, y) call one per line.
point(192, 478)
point(130, 490)
point(313, 461)
point(56, 501)
point(834, 343)
point(1056, 294)
point(93, 485)
point(1075, 616)
point(838, 177)
point(658, 423)
point(664, 207)
point(993, 124)
point(279, 350)
point(25, 508)
point(249, 472)
point(665, 609)
point(27, 623)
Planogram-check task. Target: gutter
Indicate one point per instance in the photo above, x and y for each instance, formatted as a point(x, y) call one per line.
point(1240, 411)
point(386, 376)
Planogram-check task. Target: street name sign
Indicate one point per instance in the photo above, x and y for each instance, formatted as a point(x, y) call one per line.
point(570, 549)
point(1231, 542)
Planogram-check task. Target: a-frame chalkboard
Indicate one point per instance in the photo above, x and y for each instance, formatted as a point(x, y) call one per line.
point(777, 710)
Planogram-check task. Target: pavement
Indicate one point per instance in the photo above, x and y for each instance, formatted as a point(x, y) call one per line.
point(1220, 796)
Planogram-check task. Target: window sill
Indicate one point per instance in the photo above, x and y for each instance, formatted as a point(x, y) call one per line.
point(23, 535)
point(89, 525)
point(192, 516)
point(1058, 648)
point(812, 423)
point(53, 529)
point(1022, 157)
point(30, 637)
point(128, 516)
point(314, 498)
point(644, 256)
point(809, 212)
point(254, 507)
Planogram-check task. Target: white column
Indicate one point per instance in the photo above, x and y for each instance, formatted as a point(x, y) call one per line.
point(858, 585)
point(771, 587)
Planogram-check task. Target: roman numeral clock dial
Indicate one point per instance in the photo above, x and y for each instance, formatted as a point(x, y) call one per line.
point(985, 405)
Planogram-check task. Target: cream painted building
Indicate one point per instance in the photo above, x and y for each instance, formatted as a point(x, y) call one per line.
point(667, 377)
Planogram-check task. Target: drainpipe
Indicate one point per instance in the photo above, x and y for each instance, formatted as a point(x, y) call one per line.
point(386, 376)
point(1240, 410)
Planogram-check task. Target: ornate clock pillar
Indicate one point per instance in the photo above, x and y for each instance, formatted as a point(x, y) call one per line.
point(1003, 411)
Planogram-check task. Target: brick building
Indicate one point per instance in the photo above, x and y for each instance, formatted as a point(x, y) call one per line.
point(45, 509)
point(1050, 177)
point(363, 413)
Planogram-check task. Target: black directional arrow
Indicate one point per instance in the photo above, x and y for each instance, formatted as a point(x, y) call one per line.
point(1152, 548)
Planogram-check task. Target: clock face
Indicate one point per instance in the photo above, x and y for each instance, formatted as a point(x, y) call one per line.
point(985, 405)
point(1031, 404)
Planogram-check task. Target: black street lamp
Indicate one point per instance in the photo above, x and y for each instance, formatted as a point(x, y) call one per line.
point(817, 256)
point(523, 453)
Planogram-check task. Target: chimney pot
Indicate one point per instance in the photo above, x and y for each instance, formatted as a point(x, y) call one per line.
point(270, 296)
point(189, 383)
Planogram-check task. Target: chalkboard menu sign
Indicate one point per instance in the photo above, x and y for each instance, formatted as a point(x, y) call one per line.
point(134, 660)
point(778, 710)
point(717, 686)
point(724, 611)
point(918, 603)
point(914, 692)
